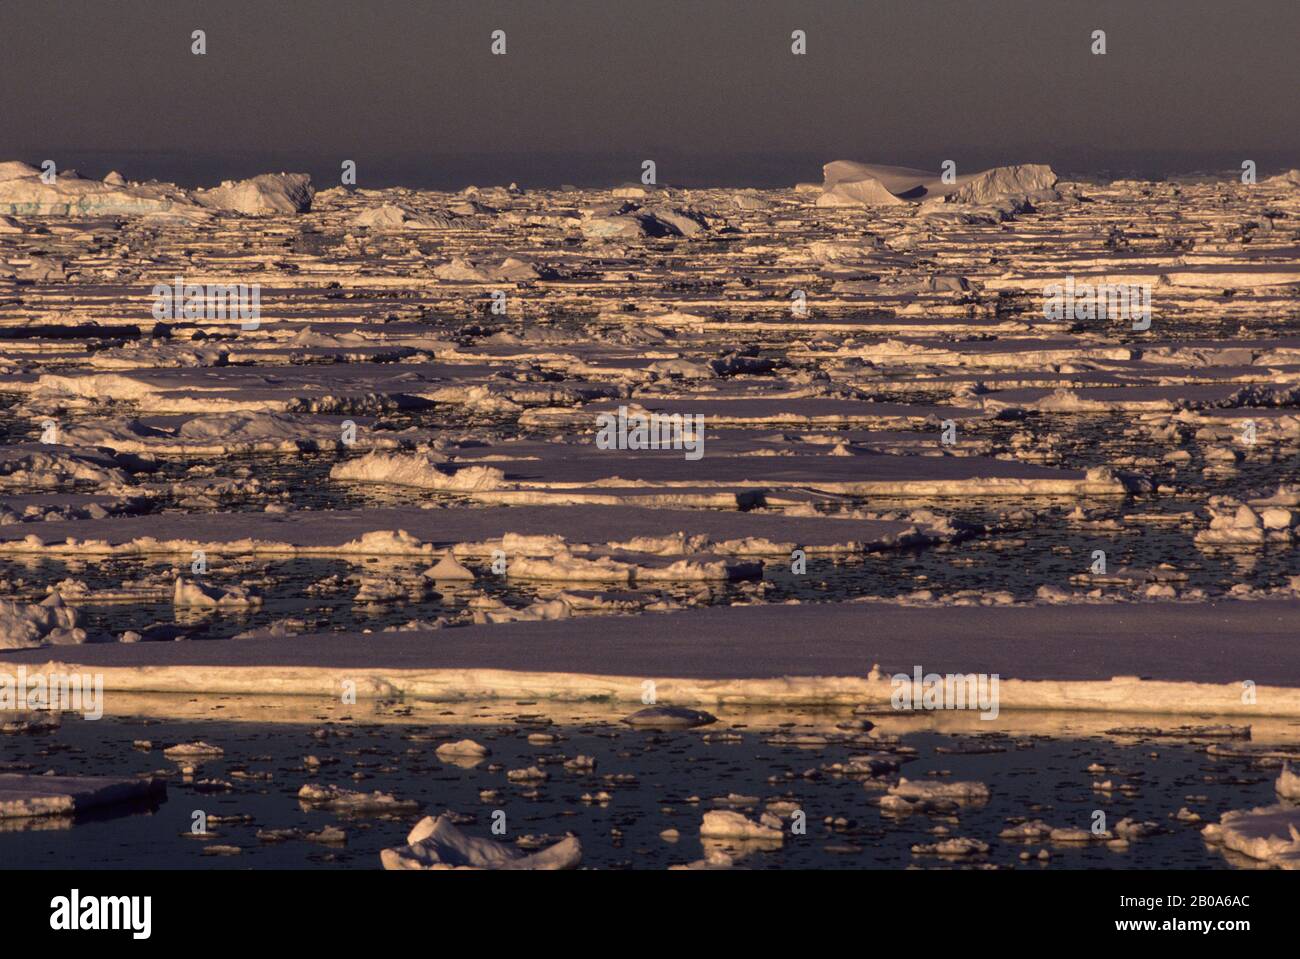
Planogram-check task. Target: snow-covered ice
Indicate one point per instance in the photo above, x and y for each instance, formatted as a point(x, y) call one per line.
point(440, 844)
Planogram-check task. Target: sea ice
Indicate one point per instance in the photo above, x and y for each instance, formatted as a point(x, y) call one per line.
point(50, 622)
point(725, 824)
point(439, 844)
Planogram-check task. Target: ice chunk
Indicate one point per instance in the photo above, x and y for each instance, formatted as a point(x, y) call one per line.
point(193, 593)
point(463, 748)
point(1269, 833)
point(267, 193)
point(438, 844)
point(669, 716)
point(914, 790)
point(420, 470)
point(725, 824)
point(348, 800)
point(194, 750)
point(49, 622)
point(956, 847)
point(391, 216)
point(24, 794)
point(448, 569)
point(1288, 783)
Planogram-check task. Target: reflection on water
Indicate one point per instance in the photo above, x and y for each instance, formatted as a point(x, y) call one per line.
point(644, 783)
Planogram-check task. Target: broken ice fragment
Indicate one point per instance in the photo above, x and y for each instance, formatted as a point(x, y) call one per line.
point(669, 716)
point(725, 824)
point(438, 844)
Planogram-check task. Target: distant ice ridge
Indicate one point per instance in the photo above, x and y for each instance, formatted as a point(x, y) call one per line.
point(27, 191)
point(267, 193)
point(24, 191)
point(847, 183)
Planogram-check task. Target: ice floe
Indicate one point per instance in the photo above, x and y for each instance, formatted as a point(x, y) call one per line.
point(440, 844)
point(49, 622)
point(1270, 834)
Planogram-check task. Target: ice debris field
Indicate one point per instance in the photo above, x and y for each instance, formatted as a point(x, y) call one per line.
point(759, 448)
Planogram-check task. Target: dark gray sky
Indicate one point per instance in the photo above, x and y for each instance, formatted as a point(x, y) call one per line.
point(708, 88)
